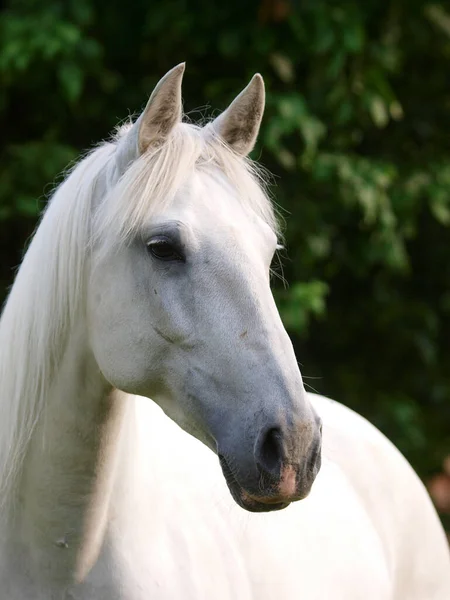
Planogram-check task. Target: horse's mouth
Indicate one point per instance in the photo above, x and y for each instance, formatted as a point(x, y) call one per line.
point(243, 498)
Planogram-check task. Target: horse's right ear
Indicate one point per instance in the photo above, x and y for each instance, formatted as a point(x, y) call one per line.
point(162, 113)
point(163, 110)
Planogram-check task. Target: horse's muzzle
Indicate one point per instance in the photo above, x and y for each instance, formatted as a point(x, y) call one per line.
point(283, 472)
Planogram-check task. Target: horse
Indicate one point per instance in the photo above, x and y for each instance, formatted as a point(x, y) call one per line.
point(148, 277)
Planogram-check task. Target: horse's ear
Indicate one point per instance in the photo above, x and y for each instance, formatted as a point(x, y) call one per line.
point(239, 124)
point(162, 113)
point(163, 110)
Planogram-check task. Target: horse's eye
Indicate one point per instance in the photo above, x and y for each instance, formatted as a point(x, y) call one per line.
point(163, 249)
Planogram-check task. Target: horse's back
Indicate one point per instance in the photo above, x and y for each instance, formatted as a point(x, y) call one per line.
point(397, 502)
point(368, 523)
point(322, 547)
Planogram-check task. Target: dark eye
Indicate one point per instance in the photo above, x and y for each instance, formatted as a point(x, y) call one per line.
point(163, 248)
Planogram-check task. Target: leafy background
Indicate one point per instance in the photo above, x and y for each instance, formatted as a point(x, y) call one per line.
point(356, 133)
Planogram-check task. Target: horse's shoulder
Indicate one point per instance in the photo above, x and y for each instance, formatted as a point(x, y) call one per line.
point(363, 451)
point(339, 417)
point(389, 489)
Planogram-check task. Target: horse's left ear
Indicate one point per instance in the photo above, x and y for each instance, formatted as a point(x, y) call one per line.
point(239, 124)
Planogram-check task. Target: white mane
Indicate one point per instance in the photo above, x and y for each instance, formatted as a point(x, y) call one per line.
point(48, 293)
point(153, 179)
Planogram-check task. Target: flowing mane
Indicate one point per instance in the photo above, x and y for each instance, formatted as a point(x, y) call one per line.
point(42, 305)
point(48, 294)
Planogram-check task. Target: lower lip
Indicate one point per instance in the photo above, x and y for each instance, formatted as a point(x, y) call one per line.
point(257, 506)
point(244, 499)
point(249, 499)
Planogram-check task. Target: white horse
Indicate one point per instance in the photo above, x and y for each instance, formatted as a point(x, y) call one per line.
point(149, 274)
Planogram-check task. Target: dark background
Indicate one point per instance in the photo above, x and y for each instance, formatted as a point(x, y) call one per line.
point(356, 134)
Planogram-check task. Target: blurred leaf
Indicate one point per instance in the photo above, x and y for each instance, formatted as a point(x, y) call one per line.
point(302, 301)
point(283, 67)
point(71, 78)
point(379, 111)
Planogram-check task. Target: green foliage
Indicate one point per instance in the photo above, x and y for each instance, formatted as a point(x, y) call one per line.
point(301, 302)
point(356, 133)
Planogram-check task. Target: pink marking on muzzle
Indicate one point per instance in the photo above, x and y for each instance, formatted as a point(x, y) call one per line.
point(288, 485)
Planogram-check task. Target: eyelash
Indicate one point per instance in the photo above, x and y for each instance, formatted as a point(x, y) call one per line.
point(172, 254)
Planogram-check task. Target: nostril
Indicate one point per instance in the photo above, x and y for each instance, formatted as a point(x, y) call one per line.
point(315, 459)
point(270, 451)
point(319, 423)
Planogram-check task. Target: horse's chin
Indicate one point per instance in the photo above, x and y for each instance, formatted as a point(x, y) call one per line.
point(246, 500)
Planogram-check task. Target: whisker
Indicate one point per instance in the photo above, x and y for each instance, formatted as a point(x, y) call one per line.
point(311, 387)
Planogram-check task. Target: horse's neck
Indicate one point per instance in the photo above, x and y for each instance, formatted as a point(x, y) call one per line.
point(62, 498)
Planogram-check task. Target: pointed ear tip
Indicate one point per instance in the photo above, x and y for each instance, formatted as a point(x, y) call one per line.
point(257, 83)
point(175, 73)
